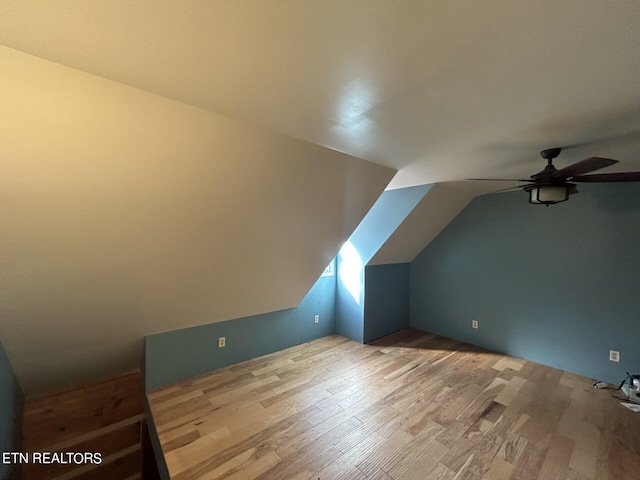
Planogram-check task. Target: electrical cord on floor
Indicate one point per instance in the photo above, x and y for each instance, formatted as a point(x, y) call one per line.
point(613, 394)
point(623, 398)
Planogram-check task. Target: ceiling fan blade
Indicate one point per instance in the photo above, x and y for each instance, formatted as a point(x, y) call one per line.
point(500, 179)
point(584, 166)
point(609, 177)
point(517, 187)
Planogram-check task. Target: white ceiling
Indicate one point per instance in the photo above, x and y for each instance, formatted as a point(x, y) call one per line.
point(440, 91)
point(122, 186)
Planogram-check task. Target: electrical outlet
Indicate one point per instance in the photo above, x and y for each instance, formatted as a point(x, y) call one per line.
point(316, 319)
point(474, 323)
point(614, 355)
point(221, 342)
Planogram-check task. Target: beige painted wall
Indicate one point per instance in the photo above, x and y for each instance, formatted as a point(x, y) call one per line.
point(124, 213)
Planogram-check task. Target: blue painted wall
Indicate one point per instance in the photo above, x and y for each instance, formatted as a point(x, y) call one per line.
point(350, 299)
point(386, 308)
point(558, 285)
point(181, 354)
point(11, 405)
point(376, 227)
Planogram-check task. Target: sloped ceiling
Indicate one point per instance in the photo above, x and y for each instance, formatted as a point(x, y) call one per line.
point(440, 91)
point(125, 213)
point(435, 210)
point(124, 177)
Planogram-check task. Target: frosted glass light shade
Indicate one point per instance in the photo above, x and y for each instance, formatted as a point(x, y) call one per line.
point(548, 194)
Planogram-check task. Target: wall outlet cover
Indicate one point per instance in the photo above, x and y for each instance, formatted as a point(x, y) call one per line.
point(221, 342)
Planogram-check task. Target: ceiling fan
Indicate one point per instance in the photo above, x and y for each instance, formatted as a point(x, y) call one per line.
point(550, 186)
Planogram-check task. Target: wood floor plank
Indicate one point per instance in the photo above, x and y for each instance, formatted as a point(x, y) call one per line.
point(556, 462)
point(583, 457)
point(440, 472)
point(498, 469)
point(412, 405)
point(384, 451)
point(422, 460)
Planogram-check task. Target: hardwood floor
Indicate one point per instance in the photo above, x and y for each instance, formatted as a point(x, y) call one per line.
point(409, 406)
point(104, 417)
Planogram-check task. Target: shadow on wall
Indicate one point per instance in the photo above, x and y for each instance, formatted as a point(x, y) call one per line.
point(386, 307)
point(11, 406)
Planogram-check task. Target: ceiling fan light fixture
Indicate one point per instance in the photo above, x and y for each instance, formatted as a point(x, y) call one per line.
point(548, 194)
point(551, 186)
